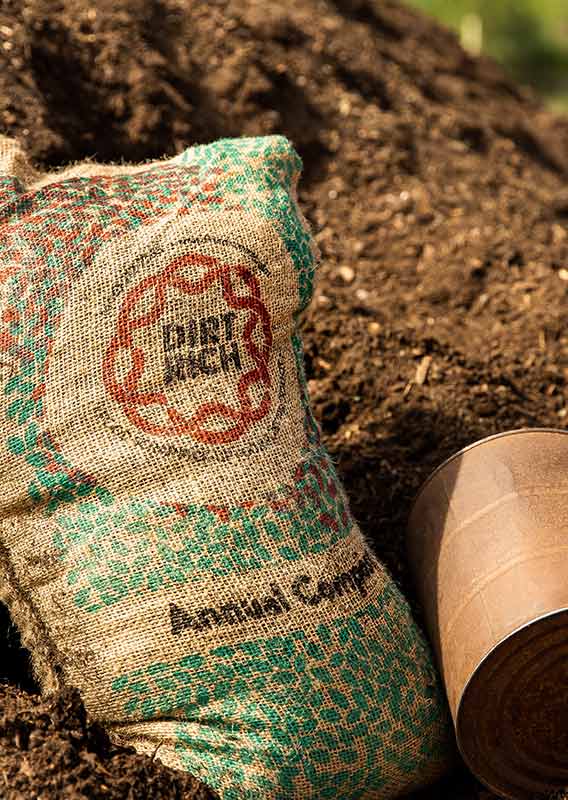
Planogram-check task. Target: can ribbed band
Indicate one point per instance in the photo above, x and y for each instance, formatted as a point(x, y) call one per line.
point(174, 539)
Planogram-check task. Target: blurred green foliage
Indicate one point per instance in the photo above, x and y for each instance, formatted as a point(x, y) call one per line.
point(529, 37)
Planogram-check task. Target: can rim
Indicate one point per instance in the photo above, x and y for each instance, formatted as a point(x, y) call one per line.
point(471, 446)
point(490, 652)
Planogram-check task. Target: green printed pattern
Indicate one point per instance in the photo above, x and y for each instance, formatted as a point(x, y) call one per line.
point(342, 709)
point(65, 220)
point(53, 236)
point(10, 189)
point(302, 707)
point(268, 165)
point(106, 566)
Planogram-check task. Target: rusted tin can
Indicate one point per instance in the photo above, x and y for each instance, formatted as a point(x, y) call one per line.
point(488, 547)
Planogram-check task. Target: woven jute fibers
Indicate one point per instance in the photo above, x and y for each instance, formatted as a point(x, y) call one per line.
point(174, 538)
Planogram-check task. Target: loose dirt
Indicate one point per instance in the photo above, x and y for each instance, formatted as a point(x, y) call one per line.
point(436, 189)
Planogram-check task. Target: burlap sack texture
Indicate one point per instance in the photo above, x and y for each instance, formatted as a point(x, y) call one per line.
point(174, 539)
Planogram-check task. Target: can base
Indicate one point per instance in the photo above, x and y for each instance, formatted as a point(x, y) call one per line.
point(512, 720)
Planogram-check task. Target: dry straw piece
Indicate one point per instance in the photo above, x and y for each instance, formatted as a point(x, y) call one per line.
point(174, 538)
point(488, 542)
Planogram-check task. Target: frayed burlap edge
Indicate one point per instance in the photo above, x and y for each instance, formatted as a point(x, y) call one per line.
point(90, 168)
point(34, 635)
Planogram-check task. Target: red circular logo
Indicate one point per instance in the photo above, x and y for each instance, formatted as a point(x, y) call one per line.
point(135, 402)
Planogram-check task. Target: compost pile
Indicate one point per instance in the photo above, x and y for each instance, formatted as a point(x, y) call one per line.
point(436, 190)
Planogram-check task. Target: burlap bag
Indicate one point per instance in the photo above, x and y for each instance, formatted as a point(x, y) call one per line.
point(174, 540)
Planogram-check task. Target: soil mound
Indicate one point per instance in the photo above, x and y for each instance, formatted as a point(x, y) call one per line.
point(436, 189)
point(47, 749)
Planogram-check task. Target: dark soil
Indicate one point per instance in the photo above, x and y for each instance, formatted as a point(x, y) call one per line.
point(48, 750)
point(437, 192)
